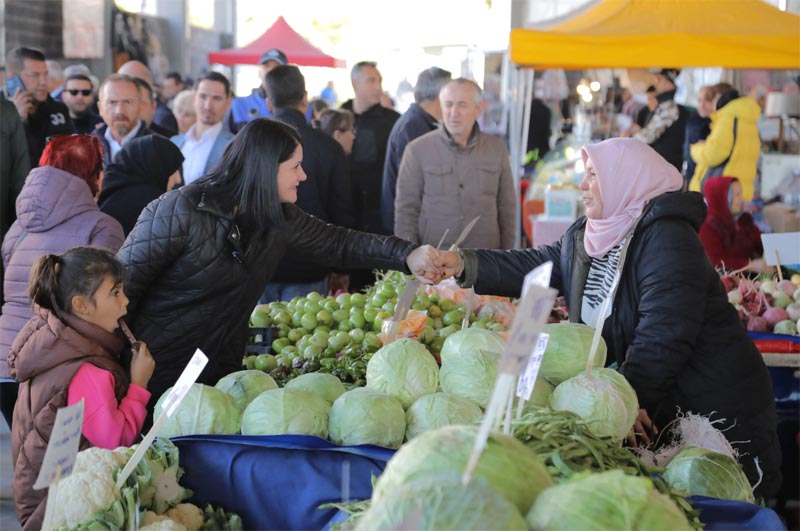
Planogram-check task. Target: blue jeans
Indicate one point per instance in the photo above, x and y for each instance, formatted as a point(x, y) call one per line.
point(280, 291)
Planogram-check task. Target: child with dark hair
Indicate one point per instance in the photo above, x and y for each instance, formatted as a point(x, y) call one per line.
point(68, 352)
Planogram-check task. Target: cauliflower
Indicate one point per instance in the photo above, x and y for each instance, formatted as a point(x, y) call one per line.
point(188, 515)
point(86, 496)
point(162, 490)
point(163, 525)
point(149, 517)
point(99, 460)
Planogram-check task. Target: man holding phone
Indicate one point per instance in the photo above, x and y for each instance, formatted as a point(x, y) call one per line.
point(26, 87)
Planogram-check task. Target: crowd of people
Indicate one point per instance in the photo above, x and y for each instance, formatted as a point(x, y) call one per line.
point(178, 207)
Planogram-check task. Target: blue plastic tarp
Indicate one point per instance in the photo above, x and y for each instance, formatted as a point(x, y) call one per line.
point(279, 482)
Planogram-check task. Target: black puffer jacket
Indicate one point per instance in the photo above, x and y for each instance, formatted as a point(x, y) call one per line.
point(675, 336)
point(193, 278)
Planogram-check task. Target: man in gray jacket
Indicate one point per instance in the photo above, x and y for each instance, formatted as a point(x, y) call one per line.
point(452, 174)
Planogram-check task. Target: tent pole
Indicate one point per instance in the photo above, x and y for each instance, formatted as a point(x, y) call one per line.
point(526, 94)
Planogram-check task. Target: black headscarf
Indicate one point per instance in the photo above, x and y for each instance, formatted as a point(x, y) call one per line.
point(138, 175)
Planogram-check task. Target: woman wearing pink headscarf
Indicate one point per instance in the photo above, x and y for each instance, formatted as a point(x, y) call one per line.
point(670, 329)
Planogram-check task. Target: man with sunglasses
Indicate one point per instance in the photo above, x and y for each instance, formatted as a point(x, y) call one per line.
point(78, 97)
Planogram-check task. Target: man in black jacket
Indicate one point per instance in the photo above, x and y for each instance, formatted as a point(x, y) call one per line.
point(326, 193)
point(422, 117)
point(41, 115)
point(77, 96)
point(373, 125)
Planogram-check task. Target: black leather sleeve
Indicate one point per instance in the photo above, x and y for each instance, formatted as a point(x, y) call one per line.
point(495, 272)
point(339, 247)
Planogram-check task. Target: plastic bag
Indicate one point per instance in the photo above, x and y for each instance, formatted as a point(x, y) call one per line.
point(450, 290)
point(499, 309)
point(412, 326)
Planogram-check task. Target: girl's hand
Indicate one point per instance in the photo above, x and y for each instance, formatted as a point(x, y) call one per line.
point(142, 365)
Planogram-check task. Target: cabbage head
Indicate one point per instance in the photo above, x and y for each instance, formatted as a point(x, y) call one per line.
point(204, 410)
point(244, 386)
point(403, 369)
point(568, 351)
point(608, 500)
point(366, 416)
point(323, 384)
point(508, 466)
point(470, 359)
point(440, 409)
point(287, 412)
point(443, 503)
point(605, 399)
point(702, 472)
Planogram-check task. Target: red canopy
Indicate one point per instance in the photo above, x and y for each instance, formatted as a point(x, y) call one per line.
point(281, 36)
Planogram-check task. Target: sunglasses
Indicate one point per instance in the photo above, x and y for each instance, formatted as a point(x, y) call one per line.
point(84, 92)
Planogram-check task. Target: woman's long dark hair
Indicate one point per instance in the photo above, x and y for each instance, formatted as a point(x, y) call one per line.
point(248, 171)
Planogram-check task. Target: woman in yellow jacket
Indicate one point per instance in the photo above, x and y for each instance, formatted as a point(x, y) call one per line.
point(733, 147)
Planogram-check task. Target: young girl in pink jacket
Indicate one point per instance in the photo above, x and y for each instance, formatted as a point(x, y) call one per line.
point(70, 351)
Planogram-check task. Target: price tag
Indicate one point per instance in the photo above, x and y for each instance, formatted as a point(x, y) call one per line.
point(528, 322)
point(538, 277)
point(187, 379)
point(528, 379)
point(62, 449)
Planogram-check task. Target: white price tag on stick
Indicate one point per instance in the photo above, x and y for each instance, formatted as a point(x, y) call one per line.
point(62, 449)
point(528, 378)
point(529, 320)
point(187, 379)
point(530, 317)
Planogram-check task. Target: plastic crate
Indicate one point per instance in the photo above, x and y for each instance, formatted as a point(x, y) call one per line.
point(260, 340)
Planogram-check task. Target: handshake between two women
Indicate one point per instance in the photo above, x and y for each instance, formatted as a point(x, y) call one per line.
point(430, 265)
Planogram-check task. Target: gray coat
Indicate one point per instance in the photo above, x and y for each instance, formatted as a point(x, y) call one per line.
point(442, 185)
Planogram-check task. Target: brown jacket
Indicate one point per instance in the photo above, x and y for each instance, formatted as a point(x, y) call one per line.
point(442, 185)
point(45, 356)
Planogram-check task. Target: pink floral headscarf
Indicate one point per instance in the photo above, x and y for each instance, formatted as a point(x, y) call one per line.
point(630, 174)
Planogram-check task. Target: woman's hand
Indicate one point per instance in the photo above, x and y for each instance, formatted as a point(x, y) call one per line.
point(644, 429)
point(759, 265)
point(422, 263)
point(142, 365)
point(450, 263)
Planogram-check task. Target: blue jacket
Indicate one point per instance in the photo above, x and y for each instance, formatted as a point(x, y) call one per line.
point(217, 149)
point(247, 108)
point(414, 123)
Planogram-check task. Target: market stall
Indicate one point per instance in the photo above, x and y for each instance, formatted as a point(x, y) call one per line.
point(626, 34)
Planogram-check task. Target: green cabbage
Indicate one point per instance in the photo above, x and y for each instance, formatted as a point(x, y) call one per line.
point(437, 410)
point(608, 500)
point(287, 412)
point(443, 503)
point(568, 351)
point(605, 399)
point(325, 385)
point(403, 369)
point(507, 465)
point(244, 386)
point(702, 472)
point(366, 416)
point(470, 359)
point(204, 410)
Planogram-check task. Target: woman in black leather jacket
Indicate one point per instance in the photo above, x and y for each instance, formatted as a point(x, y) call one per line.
point(200, 256)
point(670, 328)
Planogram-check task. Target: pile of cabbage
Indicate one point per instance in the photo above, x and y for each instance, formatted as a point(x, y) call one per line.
point(406, 395)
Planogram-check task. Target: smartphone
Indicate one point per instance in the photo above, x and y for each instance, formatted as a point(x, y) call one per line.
point(12, 84)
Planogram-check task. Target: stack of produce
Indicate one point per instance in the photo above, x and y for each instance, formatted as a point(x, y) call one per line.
point(151, 497)
point(767, 305)
point(338, 336)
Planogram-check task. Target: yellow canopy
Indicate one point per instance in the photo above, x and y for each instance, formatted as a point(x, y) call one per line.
point(665, 33)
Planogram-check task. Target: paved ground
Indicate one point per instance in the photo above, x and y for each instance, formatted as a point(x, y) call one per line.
point(8, 519)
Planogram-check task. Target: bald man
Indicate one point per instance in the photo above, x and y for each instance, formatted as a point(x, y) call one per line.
point(163, 116)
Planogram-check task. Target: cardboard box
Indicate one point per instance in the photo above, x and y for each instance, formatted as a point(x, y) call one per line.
point(782, 218)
